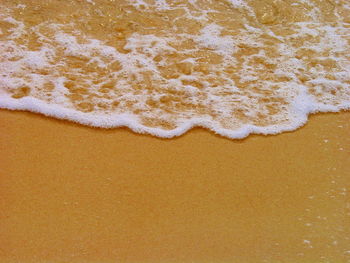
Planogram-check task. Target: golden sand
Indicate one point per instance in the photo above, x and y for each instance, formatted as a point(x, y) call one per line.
point(70, 193)
point(75, 194)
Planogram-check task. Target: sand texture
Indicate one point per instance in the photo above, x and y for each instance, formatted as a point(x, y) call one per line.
point(70, 193)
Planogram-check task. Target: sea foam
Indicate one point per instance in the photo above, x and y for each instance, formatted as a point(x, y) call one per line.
point(163, 67)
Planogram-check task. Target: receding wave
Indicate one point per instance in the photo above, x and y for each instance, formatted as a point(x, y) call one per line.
point(164, 66)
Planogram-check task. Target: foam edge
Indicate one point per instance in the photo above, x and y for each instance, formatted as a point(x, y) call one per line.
point(129, 121)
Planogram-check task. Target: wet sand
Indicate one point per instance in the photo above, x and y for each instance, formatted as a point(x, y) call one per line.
point(70, 193)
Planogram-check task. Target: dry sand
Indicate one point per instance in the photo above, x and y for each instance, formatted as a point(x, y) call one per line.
point(70, 193)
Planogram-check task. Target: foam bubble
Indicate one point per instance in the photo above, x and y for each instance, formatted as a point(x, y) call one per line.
point(160, 67)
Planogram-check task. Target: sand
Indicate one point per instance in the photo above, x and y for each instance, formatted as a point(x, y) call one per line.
point(70, 193)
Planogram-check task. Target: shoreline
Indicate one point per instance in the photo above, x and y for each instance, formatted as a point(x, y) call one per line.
point(183, 130)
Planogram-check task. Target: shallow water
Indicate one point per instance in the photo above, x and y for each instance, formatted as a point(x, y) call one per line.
point(162, 67)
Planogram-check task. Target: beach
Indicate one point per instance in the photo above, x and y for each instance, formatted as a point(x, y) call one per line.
point(71, 193)
point(142, 131)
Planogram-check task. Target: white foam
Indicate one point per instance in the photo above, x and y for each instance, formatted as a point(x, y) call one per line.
point(210, 38)
point(19, 66)
point(238, 3)
point(303, 107)
point(131, 121)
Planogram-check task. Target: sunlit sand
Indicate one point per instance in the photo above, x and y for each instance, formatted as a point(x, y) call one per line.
point(76, 194)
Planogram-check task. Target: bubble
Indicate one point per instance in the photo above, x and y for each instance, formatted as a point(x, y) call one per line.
point(163, 67)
